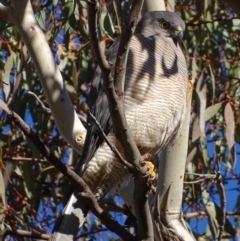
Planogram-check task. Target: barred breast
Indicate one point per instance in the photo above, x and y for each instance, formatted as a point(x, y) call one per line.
point(155, 100)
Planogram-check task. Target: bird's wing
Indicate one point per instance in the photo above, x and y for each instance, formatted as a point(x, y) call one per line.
point(98, 105)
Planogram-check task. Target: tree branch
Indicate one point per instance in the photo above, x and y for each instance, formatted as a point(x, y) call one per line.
point(115, 93)
point(115, 99)
point(113, 149)
point(22, 233)
point(85, 192)
point(23, 159)
point(63, 112)
point(47, 110)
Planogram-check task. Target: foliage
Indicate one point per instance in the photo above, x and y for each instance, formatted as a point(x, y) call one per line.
point(33, 193)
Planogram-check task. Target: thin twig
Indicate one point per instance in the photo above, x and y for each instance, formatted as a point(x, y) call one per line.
point(220, 187)
point(114, 150)
point(83, 119)
point(200, 177)
point(196, 181)
point(24, 234)
point(40, 102)
point(200, 22)
point(93, 32)
point(25, 159)
point(204, 214)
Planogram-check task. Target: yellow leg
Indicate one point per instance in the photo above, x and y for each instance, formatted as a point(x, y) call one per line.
point(150, 168)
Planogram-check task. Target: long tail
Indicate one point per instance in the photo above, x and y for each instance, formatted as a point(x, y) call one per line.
point(73, 216)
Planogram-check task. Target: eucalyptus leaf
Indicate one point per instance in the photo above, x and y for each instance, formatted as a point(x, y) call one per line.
point(211, 111)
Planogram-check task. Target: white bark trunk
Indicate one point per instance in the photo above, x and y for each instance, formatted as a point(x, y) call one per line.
point(68, 123)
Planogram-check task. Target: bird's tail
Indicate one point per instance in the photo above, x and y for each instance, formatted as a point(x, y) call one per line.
point(73, 217)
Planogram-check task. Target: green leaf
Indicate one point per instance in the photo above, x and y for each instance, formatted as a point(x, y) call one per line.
point(68, 9)
point(213, 81)
point(201, 90)
point(74, 77)
point(204, 151)
point(29, 181)
point(108, 25)
point(42, 18)
point(212, 111)
point(212, 215)
point(229, 132)
point(7, 71)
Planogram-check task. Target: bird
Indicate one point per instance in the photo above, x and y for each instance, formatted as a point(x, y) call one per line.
point(154, 99)
point(155, 89)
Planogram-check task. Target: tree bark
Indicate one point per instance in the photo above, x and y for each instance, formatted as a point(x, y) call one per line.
point(68, 123)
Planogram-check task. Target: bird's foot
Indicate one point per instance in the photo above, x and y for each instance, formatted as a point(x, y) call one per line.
point(150, 166)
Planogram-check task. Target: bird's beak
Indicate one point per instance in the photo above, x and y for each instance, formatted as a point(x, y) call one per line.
point(179, 33)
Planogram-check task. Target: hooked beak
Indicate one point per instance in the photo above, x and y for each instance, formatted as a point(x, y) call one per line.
point(177, 35)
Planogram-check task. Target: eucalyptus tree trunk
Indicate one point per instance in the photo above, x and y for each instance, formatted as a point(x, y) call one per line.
point(21, 14)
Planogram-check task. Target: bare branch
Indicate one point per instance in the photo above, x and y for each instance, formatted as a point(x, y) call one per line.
point(73, 177)
point(200, 177)
point(201, 22)
point(24, 159)
point(40, 102)
point(151, 5)
point(22, 234)
point(204, 214)
point(114, 150)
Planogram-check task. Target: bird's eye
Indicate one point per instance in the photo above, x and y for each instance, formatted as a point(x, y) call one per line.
point(164, 24)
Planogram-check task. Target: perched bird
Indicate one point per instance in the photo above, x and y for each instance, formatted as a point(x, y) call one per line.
point(154, 99)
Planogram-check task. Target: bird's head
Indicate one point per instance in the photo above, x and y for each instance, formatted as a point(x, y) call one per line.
point(168, 24)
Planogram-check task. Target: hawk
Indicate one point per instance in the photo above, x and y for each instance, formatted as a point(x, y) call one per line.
point(154, 99)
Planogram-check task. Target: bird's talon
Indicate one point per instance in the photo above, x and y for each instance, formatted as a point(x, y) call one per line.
point(150, 170)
